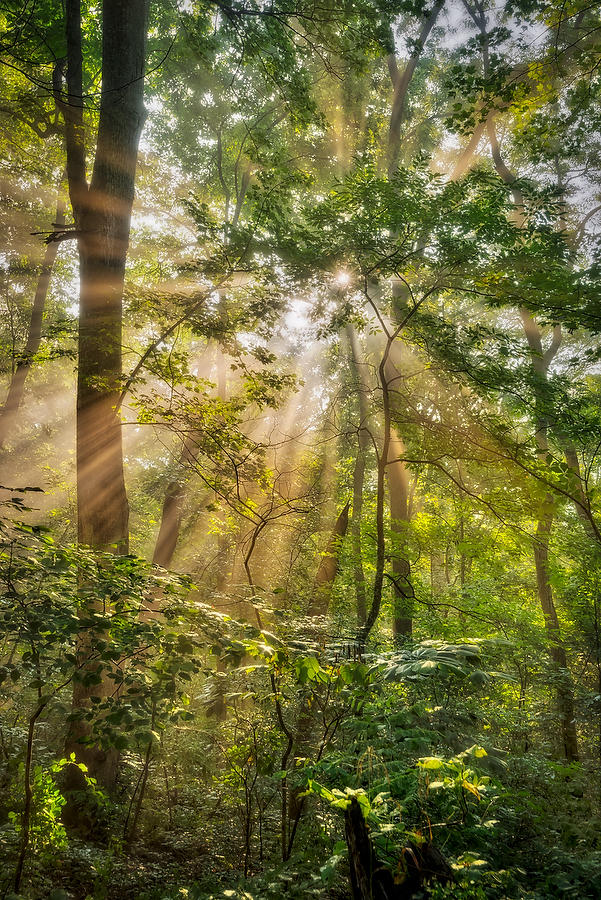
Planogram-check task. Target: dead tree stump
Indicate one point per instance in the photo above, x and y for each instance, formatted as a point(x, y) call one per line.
point(372, 880)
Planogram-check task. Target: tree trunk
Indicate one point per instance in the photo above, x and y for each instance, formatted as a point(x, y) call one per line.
point(383, 458)
point(362, 859)
point(102, 213)
point(225, 562)
point(540, 361)
point(103, 219)
point(398, 494)
point(175, 493)
point(359, 478)
point(401, 86)
point(301, 736)
point(557, 652)
point(14, 397)
point(582, 502)
point(357, 547)
point(173, 504)
point(328, 567)
point(466, 155)
point(462, 555)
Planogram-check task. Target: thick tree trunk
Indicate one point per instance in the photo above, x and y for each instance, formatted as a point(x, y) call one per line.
point(103, 219)
point(101, 497)
point(102, 215)
point(14, 397)
point(362, 858)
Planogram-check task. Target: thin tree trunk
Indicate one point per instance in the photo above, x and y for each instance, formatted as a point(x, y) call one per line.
point(540, 361)
point(176, 490)
point(462, 556)
point(557, 652)
point(14, 397)
point(466, 156)
point(581, 498)
point(402, 620)
point(175, 493)
point(224, 541)
point(359, 479)
point(383, 458)
point(328, 567)
point(173, 505)
point(398, 495)
point(28, 803)
point(438, 581)
point(357, 547)
point(300, 738)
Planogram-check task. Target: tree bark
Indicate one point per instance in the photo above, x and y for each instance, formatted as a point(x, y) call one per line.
point(557, 652)
point(301, 736)
point(467, 154)
point(102, 213)
point(173, 505)
point(402, 620)
point(328, 567)
point(398, 495)
point(383, 458)
point(401, 84)
point(359, 478)
point(103, 219)
point(225, 562)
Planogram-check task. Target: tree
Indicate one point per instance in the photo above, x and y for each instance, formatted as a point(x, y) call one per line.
point(102, 216)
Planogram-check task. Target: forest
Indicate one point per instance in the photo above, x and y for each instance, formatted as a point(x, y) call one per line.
point(300, 449)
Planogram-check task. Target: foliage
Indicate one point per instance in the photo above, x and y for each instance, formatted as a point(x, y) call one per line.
point(356, 378)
